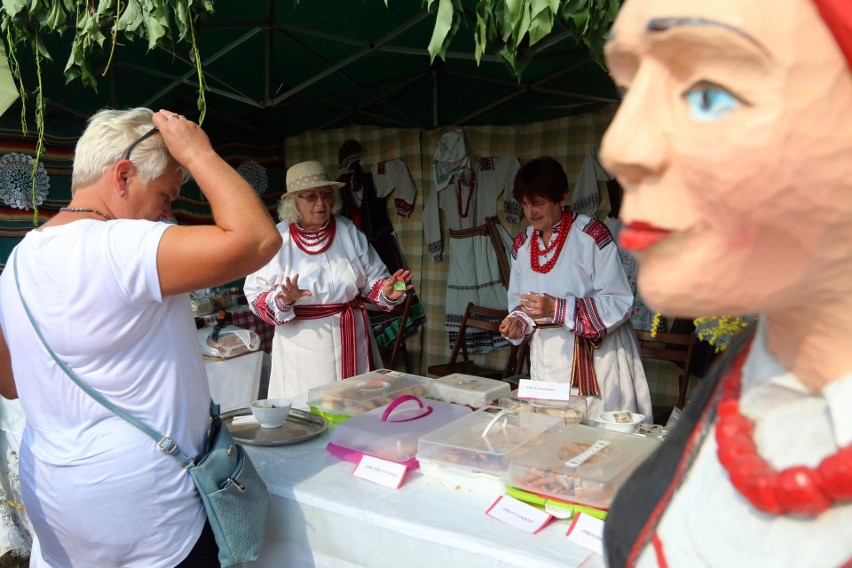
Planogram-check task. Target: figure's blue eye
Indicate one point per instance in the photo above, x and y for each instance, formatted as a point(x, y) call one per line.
point(708, 102)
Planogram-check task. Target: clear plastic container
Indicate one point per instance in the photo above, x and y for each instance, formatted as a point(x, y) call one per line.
point(391, 432)
point(468, 390)
point(341, 400)
point(582, 464)
point(484, 442)
point(572, 411)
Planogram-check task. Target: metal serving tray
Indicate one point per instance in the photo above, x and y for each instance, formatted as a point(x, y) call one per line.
point(299, 427)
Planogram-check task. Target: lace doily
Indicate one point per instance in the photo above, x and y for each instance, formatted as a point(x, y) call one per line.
point(16, 181)
point(255, 175)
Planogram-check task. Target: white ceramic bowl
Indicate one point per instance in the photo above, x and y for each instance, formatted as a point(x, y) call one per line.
point(271, 412)
point(607, 420)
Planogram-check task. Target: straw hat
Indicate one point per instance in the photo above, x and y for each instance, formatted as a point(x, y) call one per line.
point(308, 175)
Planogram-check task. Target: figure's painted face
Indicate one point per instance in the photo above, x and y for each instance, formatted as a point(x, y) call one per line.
point(733, 144)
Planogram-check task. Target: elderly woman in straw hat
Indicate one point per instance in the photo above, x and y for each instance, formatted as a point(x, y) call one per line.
point(733, 146)
point(311, 290)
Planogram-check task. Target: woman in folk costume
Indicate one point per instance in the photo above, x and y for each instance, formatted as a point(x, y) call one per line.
point(479, 244)
point(733, 145)
point(569, 297)
point(311, 289)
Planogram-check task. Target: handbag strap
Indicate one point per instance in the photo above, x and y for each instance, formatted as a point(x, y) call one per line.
point(166, 444)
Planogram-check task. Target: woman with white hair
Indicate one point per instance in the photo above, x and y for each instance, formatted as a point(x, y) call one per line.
point(109, 285)
point(311, 290)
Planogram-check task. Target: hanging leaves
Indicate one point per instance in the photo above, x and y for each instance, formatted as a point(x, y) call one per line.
point(159, 22)
point(514, 29)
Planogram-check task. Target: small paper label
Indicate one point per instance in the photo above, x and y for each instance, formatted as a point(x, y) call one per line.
point(587, 531)
point(543, 390)
point(518, 514)
point(383, 472)
point(577, 461)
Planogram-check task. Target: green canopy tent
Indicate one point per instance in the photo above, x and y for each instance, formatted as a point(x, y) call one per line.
point(275, 69)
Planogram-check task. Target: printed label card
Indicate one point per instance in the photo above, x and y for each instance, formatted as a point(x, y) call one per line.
point(383, 472)
point(543, 390)
point(518, 514)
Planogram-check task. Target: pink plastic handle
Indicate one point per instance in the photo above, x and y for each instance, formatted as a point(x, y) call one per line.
point(405, 398)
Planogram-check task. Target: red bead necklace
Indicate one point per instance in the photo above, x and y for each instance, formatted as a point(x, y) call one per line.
point(796, 490)
point(557, 241)
point(471, 186)
point(309, 242)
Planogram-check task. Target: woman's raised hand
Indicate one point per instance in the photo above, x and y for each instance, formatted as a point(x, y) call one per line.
point(290, 291)
point(389, 286)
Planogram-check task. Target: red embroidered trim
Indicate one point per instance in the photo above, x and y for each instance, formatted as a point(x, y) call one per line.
point(556, 243)
point(796, 490)
point(519, 241)
point(599, 232)
point(587, 321)
point(262, 311)
point(309, 241)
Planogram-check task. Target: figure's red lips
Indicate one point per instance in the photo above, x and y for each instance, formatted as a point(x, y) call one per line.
point(640, 235)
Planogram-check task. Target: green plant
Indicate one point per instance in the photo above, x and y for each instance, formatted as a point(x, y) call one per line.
point(515, 28)
point(161, 23)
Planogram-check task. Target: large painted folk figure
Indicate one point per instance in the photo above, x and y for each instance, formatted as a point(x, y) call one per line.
point(733, 145)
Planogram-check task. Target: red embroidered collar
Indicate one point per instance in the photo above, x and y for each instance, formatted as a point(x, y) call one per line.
point(796, 490)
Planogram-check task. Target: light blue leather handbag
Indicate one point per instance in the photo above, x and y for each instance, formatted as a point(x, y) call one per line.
point(234, 495)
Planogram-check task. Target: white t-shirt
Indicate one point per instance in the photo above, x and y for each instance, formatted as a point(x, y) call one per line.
point(97, 490)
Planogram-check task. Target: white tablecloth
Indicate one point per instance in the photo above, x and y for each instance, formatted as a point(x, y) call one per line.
point(234, 383)
point(323, 516)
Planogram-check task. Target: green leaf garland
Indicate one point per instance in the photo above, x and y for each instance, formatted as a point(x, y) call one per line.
point(160, 22)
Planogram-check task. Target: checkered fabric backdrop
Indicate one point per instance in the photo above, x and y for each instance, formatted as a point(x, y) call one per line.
point(566, 139)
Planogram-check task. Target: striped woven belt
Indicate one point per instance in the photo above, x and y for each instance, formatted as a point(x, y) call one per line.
point(348, 334)
point(489, 229)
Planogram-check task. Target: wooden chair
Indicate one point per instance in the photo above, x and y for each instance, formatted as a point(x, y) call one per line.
point(487, 319)
point(398, 344)
point(675, 347)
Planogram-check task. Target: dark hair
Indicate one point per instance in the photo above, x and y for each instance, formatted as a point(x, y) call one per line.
point(541, 177)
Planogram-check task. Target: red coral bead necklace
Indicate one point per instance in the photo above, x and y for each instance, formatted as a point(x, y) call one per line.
point(557, 241)
point(796, 490)
point(316, 242)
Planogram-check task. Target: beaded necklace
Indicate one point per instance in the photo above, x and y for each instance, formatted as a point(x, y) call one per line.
point(557, 241)
point(309, 242)
point(471, 187)
point(796, 490)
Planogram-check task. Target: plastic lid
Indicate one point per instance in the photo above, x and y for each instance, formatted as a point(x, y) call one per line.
point(391, 432)
point(583, 465)
point(487, 439)
point(362, 393)
point(469, 390)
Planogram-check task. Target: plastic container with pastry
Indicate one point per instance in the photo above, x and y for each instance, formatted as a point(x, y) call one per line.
point(341, 400)
point(468, 390)
point(582, 464)
point(391, 432)
point(482, 444)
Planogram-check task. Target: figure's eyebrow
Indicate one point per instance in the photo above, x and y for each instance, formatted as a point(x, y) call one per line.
point(665, 24)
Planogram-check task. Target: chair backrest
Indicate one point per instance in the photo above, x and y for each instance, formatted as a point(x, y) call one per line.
point(399, 342)
point(477, 317)
point(675, 347)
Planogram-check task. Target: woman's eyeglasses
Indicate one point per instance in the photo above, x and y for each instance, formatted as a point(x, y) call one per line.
point(327, 196)
point(138, 140)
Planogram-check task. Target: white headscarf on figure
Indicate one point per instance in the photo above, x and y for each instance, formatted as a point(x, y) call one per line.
point(451, 157)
